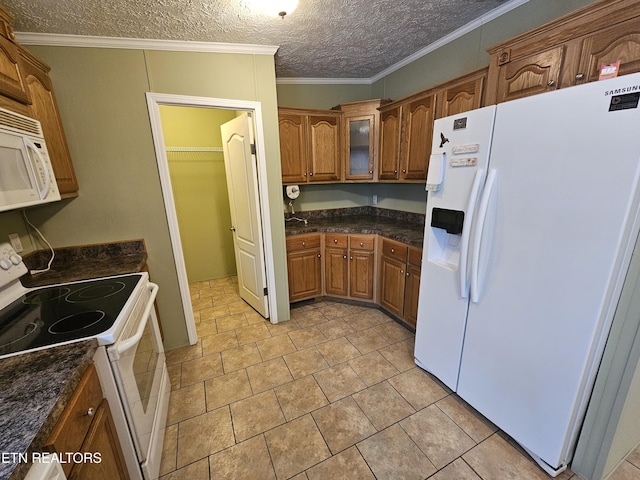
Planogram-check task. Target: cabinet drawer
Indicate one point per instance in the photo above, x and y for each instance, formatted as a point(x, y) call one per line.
point(335, 240)
point(361, 242)
point(302, 242)
point(69, 433)
point(415, 256)
point(394, 250)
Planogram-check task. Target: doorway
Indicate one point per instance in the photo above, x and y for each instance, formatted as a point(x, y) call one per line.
point(154, 102)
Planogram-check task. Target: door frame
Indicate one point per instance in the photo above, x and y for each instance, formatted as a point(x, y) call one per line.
point(154, 100)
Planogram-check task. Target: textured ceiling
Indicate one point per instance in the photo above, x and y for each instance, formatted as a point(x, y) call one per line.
point(320, 39)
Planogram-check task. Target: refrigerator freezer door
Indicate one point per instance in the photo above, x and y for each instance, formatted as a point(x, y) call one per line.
point(442, 309)
point(564, 212)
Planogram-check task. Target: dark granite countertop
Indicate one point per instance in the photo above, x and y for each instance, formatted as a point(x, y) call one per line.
point(34, 389)
point(401, 226)
point(84, 262)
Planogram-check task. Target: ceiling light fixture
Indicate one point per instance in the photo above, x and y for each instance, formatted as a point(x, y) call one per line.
point(274, 7)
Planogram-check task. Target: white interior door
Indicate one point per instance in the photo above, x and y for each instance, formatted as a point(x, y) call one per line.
point(242, 183)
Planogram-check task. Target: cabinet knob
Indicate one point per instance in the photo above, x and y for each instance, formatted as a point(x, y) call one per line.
point(401, 272)
point(305, 174)
point(318, 255)
point(551, 83)
point(311, 174)
point(404, 170)
point(304, 244)
point(335, 240)
point(580, 76)
point(351, 258)
point(395, 171)
point(393, 250)
point(370, 172)
point(362, 244)
point(407, 274)
point(91, 412)
point(344, 256)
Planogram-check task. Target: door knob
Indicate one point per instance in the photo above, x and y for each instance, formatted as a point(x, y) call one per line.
point(233, 229)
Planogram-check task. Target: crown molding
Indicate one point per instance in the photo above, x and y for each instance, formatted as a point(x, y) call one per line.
point(487, 17)
point(60, 40)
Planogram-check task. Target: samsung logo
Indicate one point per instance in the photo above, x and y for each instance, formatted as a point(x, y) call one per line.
point(619, 91)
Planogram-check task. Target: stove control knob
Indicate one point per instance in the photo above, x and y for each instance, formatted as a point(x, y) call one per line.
point(5, 264)
point(15, 259)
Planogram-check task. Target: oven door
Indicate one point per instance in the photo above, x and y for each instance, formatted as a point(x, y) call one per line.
point(139, 367)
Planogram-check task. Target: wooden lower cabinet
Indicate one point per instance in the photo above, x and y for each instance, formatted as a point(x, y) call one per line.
point(86, 426)
point(400, 280)
point(304, 264)
point(350, 270)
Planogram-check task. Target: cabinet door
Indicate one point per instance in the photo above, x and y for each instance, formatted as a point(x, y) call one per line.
point(305, 275)
point(102, 438)
point(361, 266)
point(293, 155)
point(11, 83)
point(44, 108)
point(417, 127)
point(411, 295)
point(389, 150)
point(534, 74)
point(359, 147)
point(460, 97)
point(621, 42)
point(324, 148)
point(392, 285)
point(336, 271)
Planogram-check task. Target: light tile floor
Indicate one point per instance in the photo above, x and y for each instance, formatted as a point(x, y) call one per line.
point(331, 394)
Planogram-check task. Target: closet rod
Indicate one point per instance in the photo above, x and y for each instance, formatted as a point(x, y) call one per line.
point(193, 149)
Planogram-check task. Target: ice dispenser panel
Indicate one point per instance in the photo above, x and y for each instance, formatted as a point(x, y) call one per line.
point(445, 234)
point(449, 220)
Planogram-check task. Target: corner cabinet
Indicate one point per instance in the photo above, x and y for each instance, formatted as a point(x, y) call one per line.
point(310, 145)
point(86, 426)
point(567, 51)
point(361, 122)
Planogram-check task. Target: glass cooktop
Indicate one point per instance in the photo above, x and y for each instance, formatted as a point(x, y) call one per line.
point(62, 313)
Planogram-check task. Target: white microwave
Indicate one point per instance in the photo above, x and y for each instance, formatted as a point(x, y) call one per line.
point(26, 175)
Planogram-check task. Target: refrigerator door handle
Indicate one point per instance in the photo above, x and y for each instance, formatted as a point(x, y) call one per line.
point(477, 238)
point(466, 231)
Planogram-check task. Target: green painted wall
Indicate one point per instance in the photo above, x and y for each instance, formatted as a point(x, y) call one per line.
point(101, 97)
point(321, 95)
point(199, 187)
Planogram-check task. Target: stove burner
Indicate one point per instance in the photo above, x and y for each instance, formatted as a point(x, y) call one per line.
point(93, 292)
point(13, 338)
point(76, 322)
point(39, 297)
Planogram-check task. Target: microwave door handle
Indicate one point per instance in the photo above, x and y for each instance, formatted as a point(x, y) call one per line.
point(47, 178)
point(130, 342)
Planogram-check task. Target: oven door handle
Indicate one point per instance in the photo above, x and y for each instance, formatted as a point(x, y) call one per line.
point(125, 345)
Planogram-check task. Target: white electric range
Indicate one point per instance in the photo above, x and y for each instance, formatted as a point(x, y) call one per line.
point(119, 312)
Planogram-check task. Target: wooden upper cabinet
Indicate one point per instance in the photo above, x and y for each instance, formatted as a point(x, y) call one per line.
point(11, 81)
point(361, 126)
point(43, 106)
point(389, 145)
point(417, 127)
point(461, 95)
point(324, 148)
point(567, 51)
point(293, 155)
point(310, 145)
point(620, 42)
point(536, 73)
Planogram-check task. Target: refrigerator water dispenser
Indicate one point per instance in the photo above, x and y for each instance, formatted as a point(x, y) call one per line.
point(445, 236)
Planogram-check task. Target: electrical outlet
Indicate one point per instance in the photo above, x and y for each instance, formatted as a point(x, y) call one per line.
point(374, 200)
point(14, 238)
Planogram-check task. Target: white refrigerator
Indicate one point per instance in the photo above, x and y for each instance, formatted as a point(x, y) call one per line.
point(532, 214)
